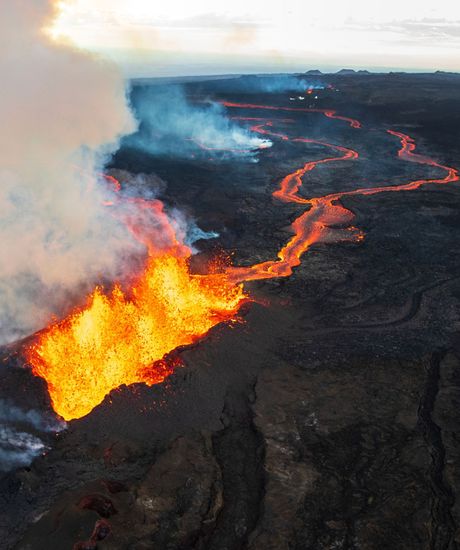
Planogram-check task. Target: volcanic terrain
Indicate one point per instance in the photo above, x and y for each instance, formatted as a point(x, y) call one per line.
point(324, 414)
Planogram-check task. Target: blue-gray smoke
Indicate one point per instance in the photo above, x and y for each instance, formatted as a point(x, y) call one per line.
point(21, 433)
point(281, 83)
point(171, 124)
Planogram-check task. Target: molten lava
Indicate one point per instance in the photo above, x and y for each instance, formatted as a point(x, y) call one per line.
point(326, 112)
point(326, 212)
point(120, 338)
point(117, 338)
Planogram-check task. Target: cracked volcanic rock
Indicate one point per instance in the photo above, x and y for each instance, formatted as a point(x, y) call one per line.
point(329, 418)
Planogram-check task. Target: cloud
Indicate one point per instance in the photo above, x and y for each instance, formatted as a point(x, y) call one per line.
point(423, 29)
point(210, 20)
point(314, 34)
point(62, 112)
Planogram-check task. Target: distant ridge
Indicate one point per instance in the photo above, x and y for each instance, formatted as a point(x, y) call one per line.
point(446, 72)
point(346, 71)
point(314, 72)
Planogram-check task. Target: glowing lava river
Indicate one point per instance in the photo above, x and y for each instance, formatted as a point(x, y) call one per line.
point(122, 337)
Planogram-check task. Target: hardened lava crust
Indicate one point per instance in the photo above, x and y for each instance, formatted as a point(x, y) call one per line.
point(326, 415)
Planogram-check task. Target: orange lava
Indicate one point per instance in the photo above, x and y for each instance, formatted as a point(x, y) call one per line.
point(324, 213)
point(117, 338)
point(326, 112)
point(121, 337)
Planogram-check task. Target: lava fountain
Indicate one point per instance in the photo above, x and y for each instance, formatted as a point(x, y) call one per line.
point(121, 337)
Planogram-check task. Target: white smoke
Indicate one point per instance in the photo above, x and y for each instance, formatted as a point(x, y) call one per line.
point(149, 187)
point(20, 434)
point(61, 111)
point(9, 412)
point(187, 230)
point(170, 124)
point(18, 448)
point(273, 83)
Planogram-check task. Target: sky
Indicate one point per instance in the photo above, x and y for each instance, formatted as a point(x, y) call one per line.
point(187, 37)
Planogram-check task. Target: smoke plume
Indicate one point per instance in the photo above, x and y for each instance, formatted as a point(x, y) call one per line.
point(21, 432)
point(18, 448)
point(170, 124)
point(148, 187)
point(62, 112)
point(9, 413)
point(256, 84)
point(280, 83)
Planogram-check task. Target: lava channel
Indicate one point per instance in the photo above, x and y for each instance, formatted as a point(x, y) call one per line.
point(325, 212)
point(122, 337)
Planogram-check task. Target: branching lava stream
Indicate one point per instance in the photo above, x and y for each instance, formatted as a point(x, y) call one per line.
point(324, 212)
point(121, 338)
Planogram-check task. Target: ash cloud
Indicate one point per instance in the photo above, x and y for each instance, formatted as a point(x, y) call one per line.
point(62, 111)
point(170, 124)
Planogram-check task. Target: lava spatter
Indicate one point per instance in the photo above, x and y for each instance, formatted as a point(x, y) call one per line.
point(118, 338)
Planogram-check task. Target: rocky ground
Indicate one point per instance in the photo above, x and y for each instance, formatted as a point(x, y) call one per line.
point(328, 418)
